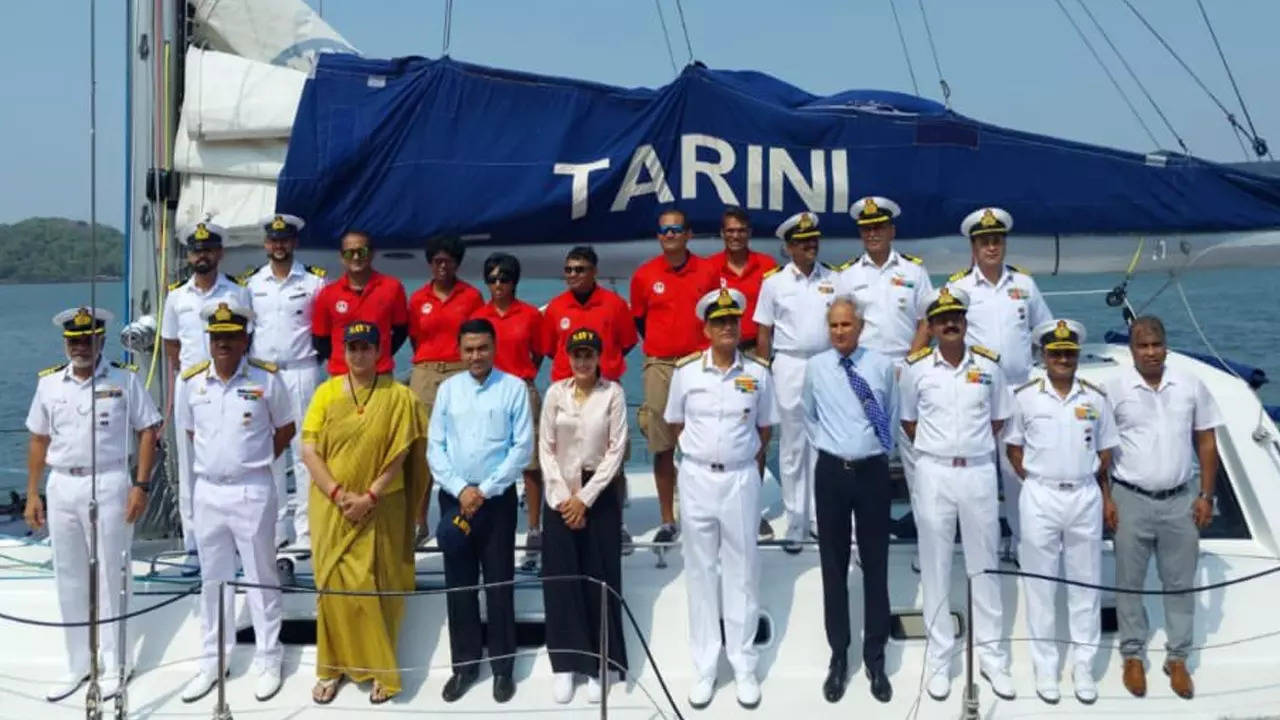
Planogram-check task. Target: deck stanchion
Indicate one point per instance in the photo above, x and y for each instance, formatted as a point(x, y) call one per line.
point(122, 638)
point(970, 707)
point(604, 650)
point(220, 710)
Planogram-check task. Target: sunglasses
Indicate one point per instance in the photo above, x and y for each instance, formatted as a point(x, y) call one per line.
point(670, 229)
point(576, 269)
point(500, 278)
point(355, 253)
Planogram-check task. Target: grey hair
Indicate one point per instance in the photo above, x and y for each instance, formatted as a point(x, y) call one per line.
point(845, 300)
point(1150, 323)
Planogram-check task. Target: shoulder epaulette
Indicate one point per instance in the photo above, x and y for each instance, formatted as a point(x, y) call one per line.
point(195, 370)
point(51, 370)
point(847, 264)
point(1092, 387)
point(919, 355)
point(264, 365)
point(911, 258)
point(232, 278)
point(1017, 269)
point(243, 278)
point(757, 359)
point(771, 271)
point(987, 353)
point(1027, 384)
point(688, 359)
point(176, 285)
point(959, 274)
point(124, 366)
point(315, 270)
point(827, 265)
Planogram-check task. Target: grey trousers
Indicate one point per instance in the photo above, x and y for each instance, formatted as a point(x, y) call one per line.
point(1166, 528)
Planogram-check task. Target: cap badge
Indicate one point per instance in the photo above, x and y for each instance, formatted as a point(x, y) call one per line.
point(201, 233)
point(582, 335)
point(870, 207)
point(805, 222)
point(82, 318)
point(988, 219)
point(1062, 332)
point(724, 299)
point(279, 223)
point(222, 314)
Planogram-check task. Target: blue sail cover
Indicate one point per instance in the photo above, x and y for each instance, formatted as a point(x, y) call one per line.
point(411, 147)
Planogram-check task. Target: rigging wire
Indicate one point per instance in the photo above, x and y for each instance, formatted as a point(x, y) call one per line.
point(1102, 31)
point(666, 35)
point(937, 65)
point(685, 28)
point(448, 27)
point(1115, 83)
point(903, 39)
point(1259, 145)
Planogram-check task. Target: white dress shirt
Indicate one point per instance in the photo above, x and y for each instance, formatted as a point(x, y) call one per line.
point(1061, 436)
point(795, 306)
point(891, 299)
point(1002, 315)
point(1156, 425)
point(721, 410)
point(282, 314)
point(235, 421)
point(63, 409)
point(953, 407)
point(182, 320)
point(576, 437)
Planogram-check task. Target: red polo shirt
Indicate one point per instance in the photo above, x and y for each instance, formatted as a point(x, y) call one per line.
point(748, 282)
point(434, 323)
point(380, 301)
point(666, 298)
point(606, 313)
point(520, 338)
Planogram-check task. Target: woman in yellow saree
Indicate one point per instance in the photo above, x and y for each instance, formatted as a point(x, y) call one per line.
point(364, 443)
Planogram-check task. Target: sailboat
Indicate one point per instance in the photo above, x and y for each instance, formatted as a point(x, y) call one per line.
point(231, 122)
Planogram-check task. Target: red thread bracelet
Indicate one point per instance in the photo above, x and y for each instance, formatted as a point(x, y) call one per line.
point(374, 496)
point(333, 494)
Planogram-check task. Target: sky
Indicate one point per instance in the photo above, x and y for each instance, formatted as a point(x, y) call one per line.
point(1016, 63)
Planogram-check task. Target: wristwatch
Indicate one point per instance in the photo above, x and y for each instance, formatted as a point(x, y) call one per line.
point(144, 486)
point(1205, 496)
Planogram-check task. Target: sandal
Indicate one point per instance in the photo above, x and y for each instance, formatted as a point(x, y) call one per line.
point(379, 694)
point(325, 690)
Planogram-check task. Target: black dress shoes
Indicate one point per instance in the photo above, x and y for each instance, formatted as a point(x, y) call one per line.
point(833, 686)
point(880, 688)
point(457, 685)
point(503, 688)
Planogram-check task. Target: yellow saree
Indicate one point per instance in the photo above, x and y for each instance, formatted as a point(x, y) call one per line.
point(356, 636)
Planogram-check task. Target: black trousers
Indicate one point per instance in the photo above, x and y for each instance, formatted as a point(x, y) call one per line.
point(573, 607)
point(860, 487)
point(492, 550)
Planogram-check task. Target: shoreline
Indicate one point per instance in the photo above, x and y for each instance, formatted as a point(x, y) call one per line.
point(64, 281)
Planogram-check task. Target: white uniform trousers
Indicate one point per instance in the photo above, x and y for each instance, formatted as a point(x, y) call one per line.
point(300, 380)
point(186, 470)
point(1061, 520)
point(68, 517)
point(1011, 486)
point(944, 493)
point(237, 515)
point(720, 513)
point(796, 459)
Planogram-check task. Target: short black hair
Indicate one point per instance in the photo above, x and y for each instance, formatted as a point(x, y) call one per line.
point(451, 244)
point(1147, 322)
point(733, 212)
point(503, 262)
point(673, 210)
point(477, 326)
point(583, 252)
point(368, 237)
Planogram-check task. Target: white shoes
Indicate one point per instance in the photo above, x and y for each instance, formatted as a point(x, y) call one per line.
point(701, 692)
point(594, 691)
point(1001, 684)
point(1086, 688)
point(939, 684)
point(562, 688)
point(65, 686)
point(1047, 689)
point(199, 686)
point(109, 685)
point(268, 684)
point(748, 690)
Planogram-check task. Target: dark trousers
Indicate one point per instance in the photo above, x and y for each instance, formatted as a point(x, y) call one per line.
point(491, 549)
point(860, 487)
point(573, 606)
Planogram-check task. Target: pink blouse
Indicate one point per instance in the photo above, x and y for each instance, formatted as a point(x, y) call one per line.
point(573, 438)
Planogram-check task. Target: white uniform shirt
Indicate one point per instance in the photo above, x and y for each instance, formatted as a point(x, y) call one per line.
point(1061, 437)
point(796, 307)
point(282, 313)
point(891, 298)
point(721, 411)
point(182, 320)
point(234, 421)
point(63, 409)
point(1002, 315)
point(1155, 425)
point(953, 407)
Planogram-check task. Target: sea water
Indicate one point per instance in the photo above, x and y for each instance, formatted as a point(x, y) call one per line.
point(1233, 307)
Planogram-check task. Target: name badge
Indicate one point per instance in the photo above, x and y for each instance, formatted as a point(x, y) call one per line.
point(106, 393)
point(826, 289)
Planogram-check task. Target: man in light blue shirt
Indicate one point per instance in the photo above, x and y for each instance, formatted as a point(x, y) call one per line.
point(848, 395)
point(479, 441)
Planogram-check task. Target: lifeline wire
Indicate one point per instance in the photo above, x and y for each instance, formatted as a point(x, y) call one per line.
point(937, 65)
point(666, 35)
point(685, 28)
point(1259, 145)
point(903, 39)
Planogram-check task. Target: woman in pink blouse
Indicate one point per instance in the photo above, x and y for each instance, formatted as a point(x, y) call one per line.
point(583, 438)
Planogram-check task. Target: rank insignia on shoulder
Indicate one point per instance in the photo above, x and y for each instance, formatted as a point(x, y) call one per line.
point(688, 359)
point(315, 270)
point(846, 264)
point(124, 366)
point(987, 353)
point(1029, 383)
point(195, 369)
point(264, 365)
point(757, 359)
point(51, 370)
point(955, 276)
point(911, 258)
point(919, 355)
point(243, 278)
point(1093, 387)
point(232, 278)
point(771, 271)
point(176, 285)
point(827, 265)
point(1015, 268)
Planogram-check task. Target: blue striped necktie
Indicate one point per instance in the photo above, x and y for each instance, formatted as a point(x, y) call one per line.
point(870, 406)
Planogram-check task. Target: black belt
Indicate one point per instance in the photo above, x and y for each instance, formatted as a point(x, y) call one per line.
point(849, 464)
point(1153, 494)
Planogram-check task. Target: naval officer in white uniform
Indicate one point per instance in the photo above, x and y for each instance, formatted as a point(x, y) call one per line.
point(1004, 305)
point(792, 316)
point(240, 418)
point(1059, 442)
point(721, 406)
point(282, 293)
point(185, 344)
point(954, 405)
point(69, 398)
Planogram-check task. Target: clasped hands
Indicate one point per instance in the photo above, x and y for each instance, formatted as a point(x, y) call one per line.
point(354, 506)
point(469, 501)
point(574, 513)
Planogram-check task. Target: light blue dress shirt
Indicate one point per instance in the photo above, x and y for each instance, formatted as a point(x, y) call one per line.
point(833, 417)
point(481, 433)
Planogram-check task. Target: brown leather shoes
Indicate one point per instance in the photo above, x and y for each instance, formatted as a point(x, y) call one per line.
point(1135, 677)
point(1179, 679)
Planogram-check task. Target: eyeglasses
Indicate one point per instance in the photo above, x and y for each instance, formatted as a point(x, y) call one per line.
point(497, 278)
point(670, 229)
point(359, 253)
point(576, 269)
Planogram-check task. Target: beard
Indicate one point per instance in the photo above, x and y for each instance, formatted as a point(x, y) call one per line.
point(202, 266)
point(79, 363)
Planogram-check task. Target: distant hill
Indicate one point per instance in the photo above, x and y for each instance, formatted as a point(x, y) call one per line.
point(57, 250)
